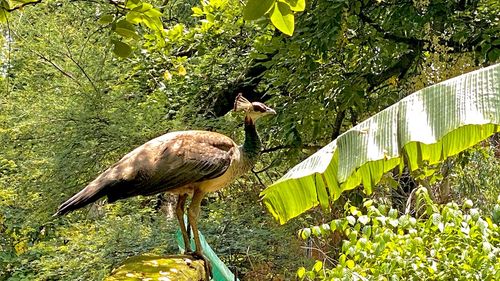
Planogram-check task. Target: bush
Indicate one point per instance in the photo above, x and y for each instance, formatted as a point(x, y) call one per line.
point(446, 242)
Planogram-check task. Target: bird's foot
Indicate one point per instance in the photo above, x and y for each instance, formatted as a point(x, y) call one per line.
point(206, 262)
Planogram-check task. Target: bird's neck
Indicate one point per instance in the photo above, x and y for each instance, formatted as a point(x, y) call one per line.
point(252, 144)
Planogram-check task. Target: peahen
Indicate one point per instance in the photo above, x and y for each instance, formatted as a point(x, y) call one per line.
point(186, 163)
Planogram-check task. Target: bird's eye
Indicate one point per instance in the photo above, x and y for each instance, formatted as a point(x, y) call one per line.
point(258, 107)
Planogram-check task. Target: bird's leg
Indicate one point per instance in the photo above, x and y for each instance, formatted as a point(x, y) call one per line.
point(179, 212)
point(193, 212)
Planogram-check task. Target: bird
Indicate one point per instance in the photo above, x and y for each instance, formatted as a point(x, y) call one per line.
point(185, 163)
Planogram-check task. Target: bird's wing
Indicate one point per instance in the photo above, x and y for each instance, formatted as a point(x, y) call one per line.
point(175, 160)
point(194, 157)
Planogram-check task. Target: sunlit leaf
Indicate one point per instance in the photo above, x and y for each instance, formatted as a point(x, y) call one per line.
point(316, 230)
point(197, 11)
point(364, 219)
point(167, 75)
point(318, 266)
point(351, 220)
point(282, 18)
point(154, 13)
point(4, 5)
point(181, 70)
point(131, 4)
point(425, 127)
point(3, 15)
point(300, 272)
point(153, 23)
point(305, 233)
point(134, 17)
point(255, 9)
point(468, 204)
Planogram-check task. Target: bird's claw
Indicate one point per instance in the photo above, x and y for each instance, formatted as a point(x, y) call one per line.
point(206, 262)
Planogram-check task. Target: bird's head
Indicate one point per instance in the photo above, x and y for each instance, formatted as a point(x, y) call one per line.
point(253, 110)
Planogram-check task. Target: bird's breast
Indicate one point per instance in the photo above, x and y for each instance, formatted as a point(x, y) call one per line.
point(233, 171)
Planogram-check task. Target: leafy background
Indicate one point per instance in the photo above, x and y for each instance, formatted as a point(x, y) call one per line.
point(85, 82)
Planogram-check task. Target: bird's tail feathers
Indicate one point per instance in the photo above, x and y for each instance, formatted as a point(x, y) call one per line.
point(89, 194)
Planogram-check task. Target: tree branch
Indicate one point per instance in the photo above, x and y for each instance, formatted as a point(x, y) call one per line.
point(461, 47)
point(400, 69)
point(70, 56)
point(338, 124)
point(279, 147)
point(60, 69)
point(266, 168)
point(390, 36)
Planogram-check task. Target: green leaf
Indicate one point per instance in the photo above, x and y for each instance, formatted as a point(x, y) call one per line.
point(350, 264)
point(351, 220)
point(393, 213)
point(334, 224)
point(121, 49)
point(318, 266)
point(197, 11)
point(134, 17)
point(105, 19)
point(255, 9)
point(367, 231)
point(153, 23)
point(368, 203)
point(4, 4)
point(468, 204)
point(296, 5)
point(325, 228)
point(282, 18)
point(210, 17)
point(305, 233)
point(364, 219)
point(146, 14)
point(496, 214)
point(154, 13)
point(426, 127)
point(354, 211)
point(3, 16)
point(126, 29)
point(393, 222)
point(342, 259)
point(316, 231)
point(301, 272)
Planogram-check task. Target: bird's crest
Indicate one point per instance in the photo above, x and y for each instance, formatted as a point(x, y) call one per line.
point(242, 104)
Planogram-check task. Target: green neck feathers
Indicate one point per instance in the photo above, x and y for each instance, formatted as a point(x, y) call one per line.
point(252, 144)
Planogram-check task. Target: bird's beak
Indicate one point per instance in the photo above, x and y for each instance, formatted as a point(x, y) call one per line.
point(270, 111)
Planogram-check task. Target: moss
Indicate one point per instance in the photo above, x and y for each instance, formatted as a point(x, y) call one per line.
point(161, 268)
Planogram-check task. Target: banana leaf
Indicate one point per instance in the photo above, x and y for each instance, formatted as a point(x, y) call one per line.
point(426, 127)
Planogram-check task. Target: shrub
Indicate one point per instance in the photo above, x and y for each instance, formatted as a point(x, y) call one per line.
point(446, 242)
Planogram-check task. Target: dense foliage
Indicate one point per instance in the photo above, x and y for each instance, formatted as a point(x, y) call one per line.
point(439, 242)
point(84, 82)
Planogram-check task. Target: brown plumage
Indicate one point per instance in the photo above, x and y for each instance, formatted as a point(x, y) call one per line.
point(184, 163)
